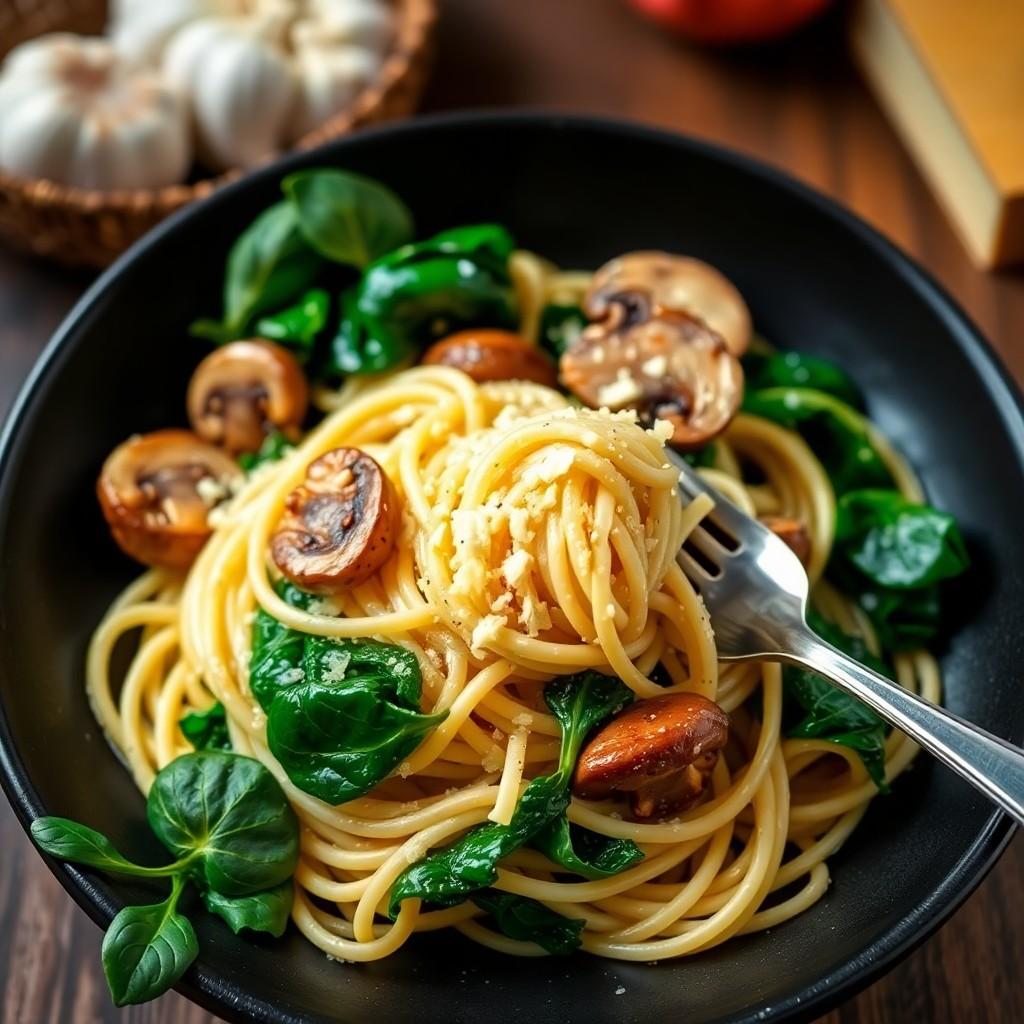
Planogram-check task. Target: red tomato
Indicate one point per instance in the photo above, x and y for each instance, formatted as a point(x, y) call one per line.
point(731, 21)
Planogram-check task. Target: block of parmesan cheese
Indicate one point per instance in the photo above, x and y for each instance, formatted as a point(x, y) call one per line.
point(950, 76)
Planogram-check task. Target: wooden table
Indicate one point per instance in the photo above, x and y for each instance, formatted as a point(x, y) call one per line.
point(799, 106)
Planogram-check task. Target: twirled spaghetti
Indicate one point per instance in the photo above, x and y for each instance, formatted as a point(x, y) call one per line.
point(537, 539)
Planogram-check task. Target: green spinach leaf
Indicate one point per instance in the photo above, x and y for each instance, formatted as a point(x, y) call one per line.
point(346, 217)
point(560, 328)
point(702, 457)
point(837, 434)
point(584, 852)
point(69, 840)
point(147, 949)
point(208, 729)
point(274, 448)
point(763, 370)
point(269, 265)
point(829, 713)
point(421, 292)
point(341, 714)
point(297, 326)
point(528, 920)
point(237, 839)
point(904, 620)
point(276, 657)
point(229, 816)
point(338, 739)
point(580, 702)
point(267, 911)
point(895, 543)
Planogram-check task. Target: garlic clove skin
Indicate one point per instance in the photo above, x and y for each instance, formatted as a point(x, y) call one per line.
point(338, 50)
point(74, 111)
point(330, 81)
point(365, 23)
point(240, 86)
point(141, 29)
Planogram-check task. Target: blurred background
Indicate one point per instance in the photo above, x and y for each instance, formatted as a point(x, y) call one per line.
point(908, 112)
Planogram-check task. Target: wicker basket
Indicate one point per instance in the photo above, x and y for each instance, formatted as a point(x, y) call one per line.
point(83, 227)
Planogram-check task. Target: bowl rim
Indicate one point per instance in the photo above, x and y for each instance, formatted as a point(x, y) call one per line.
point(209, 989)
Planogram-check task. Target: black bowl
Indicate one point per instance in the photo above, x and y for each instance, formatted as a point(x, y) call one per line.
point(579, 191)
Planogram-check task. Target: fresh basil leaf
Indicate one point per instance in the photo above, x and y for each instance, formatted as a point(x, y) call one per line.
point(297, 326)
point(421, 292)
point(580, 702)
point(269, 265)
point(274, 448)
point(896, 543)
point(229, 816)
point(560, 328)
point(267, 911)
point(147, 949)
point(584, 852)
point(832, 715)
point(69, 840)
point(346, 217)
point(528, 920)
point(837, 434)
point(208, 729)
point(796, 370)
point(337, 740)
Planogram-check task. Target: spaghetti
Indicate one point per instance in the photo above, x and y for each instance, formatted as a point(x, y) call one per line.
point(537, 539)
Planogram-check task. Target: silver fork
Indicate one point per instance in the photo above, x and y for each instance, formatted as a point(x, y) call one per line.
point(755, 590)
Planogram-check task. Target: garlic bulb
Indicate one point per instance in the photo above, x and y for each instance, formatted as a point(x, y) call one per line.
point(364, 23)
point(74, 111)
point(338, 47)
point(330, 76)
point(240, 83)
point(140, 29)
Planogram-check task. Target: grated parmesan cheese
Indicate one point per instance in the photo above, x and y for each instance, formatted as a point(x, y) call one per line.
point(335, 665)
point(656, 366)
point(485, 632)
point(211, 491)
point(623, 390)
point(662, 430)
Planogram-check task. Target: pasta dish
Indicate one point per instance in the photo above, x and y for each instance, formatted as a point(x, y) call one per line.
point(411, 573)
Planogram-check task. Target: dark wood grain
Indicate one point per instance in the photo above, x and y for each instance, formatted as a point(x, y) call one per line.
point(799, 106)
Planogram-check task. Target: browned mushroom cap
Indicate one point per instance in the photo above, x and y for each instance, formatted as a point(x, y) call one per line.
point(493, 355)
point(661, 751)
point(156, 491)
point(668, 366)
point(242, 391)
point(680, 284)
point(339, 527)
point(793, 532)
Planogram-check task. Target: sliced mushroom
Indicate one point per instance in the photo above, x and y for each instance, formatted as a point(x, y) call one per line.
point(339, 527)
point(488, 355)
point(793, 532)
point(667, 366)
point(245, 390)
point(679, 284)
point(660, 751)
point(156, 491)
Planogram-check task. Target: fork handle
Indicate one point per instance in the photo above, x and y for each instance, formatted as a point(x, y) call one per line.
point(988, 763)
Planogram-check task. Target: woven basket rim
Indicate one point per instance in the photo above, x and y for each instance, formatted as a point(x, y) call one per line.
point(416, 20)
